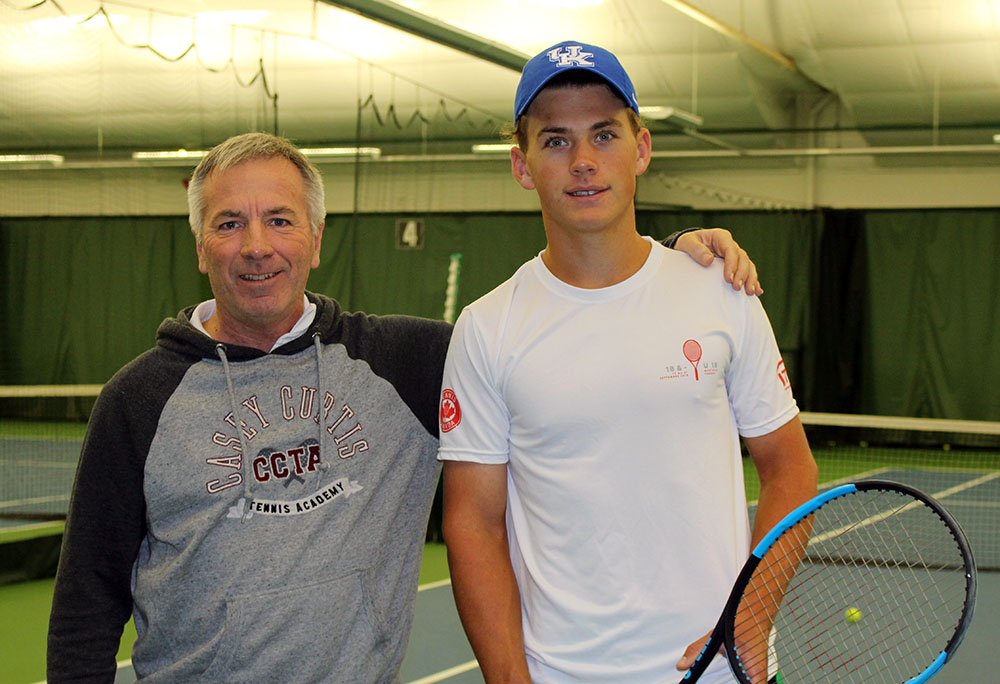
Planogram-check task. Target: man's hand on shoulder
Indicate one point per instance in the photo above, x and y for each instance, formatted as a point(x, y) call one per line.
point(705, 244)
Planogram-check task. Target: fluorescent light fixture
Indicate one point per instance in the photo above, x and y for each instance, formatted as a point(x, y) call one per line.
point(672, 115)
point(54, 159)
point(370, 152)
point(321, 152)
point(169, 154)
point(996, 138)
point(492, 148)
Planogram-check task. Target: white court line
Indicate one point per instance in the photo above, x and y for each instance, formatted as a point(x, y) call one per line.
point(451, 671)
point(34, 500)
point(25, 463)
point(434, 585)
point(944, 493)
point(843, 480)
point(853, 478)
point(447, 674)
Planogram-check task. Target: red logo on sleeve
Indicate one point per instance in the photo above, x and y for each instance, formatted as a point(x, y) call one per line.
point(451, 412)
point(783, 375)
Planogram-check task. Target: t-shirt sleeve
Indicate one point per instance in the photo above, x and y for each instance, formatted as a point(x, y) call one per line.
point(759, 391)
point(474, 420)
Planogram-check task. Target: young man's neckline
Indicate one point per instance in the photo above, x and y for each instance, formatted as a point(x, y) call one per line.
point(623, 286)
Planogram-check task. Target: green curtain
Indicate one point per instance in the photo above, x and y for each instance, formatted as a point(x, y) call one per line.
point(933, 314)
point(83, 296)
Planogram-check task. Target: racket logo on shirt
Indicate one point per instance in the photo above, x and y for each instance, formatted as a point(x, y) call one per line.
point(692, 352)
point(451, 412)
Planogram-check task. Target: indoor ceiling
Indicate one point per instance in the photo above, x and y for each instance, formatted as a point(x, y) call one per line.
point(97, 78)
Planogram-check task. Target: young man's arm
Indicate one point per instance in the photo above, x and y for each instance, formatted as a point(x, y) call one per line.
point(486, 593)
point(787, 475)
point(704, 244)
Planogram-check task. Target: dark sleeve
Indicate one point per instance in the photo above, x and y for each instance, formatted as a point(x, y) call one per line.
point(105, 526)
point(409, 352)
point(671, 239)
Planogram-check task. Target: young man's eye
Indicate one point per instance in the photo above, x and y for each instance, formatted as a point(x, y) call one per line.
point(604, 136)
point(555, 142)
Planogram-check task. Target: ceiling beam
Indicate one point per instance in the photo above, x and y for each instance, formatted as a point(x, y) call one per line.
point(434, 30)
point(731, 33)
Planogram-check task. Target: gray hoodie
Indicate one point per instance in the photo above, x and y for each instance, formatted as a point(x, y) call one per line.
point(260, 515)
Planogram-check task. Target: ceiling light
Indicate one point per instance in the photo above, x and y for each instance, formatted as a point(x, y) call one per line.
point(492, 148)
point(370, 152)
point(318, 152)
point(996, 138)
point(672, 115)
point(169, 154)
point(54, 159)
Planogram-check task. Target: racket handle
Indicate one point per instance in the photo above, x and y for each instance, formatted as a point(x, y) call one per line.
point(700, 663)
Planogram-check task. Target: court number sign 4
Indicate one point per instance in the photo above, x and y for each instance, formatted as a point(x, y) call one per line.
point(409, 233)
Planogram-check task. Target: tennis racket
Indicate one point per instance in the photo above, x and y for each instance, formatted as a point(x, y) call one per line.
point(869, 582)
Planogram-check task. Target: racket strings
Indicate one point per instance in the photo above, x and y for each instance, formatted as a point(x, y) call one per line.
point(870, 588)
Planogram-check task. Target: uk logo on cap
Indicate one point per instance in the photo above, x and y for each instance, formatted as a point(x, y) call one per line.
point(566, 56)
point(571, 55)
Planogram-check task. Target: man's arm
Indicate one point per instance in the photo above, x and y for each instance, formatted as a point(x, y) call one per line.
point(482, 578)
point(704, 244)
point(787, 475)
point(92, 599)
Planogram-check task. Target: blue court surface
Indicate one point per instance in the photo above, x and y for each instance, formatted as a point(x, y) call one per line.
point(438, 650)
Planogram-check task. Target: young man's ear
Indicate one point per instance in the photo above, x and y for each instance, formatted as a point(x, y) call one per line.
point(645, 145)
point(519, 167)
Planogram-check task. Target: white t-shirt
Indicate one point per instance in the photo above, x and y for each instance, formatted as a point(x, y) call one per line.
point(617, 412)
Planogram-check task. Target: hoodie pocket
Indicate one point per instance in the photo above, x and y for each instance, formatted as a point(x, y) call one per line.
point(328, 630)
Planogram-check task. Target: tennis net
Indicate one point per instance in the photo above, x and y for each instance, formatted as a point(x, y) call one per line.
point(957, 462)
point(41, 432)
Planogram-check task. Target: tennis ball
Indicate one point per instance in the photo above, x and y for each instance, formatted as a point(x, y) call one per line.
point(852, 614)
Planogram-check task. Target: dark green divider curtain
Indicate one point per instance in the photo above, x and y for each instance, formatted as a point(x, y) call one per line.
point(379, 278)
point(886, 312)
point(82, 296)
point(932, 342)
point(834, 359)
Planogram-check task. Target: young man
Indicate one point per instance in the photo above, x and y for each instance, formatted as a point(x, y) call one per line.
point(592, 408)
point(254, 490)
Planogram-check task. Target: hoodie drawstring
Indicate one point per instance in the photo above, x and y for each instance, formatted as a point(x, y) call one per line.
point(323, 465)
point(220, 350)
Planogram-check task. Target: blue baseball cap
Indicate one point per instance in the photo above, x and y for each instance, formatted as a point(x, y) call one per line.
point(570, 55)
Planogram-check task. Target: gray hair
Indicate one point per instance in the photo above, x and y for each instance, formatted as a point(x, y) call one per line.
point(246, 147)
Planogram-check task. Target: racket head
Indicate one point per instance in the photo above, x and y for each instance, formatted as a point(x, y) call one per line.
point(869, 582)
